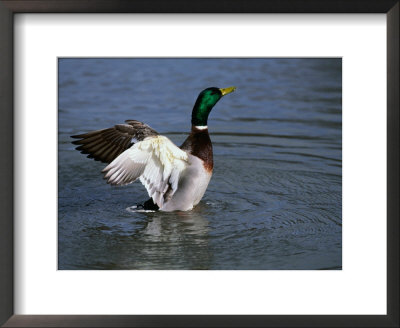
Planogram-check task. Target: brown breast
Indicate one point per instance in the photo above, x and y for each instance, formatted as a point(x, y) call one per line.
point(198, 143)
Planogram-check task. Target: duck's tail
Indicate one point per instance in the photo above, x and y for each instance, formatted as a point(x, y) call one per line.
point(147, 206)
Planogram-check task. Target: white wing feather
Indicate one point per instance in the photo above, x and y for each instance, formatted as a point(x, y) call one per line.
point(158, 163)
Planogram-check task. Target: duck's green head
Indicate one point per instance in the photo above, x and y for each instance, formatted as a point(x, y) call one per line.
point(205, 102)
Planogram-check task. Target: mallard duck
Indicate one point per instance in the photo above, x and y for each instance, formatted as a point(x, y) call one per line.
point(176, 178)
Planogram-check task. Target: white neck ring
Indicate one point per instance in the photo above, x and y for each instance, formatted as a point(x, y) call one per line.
point(201, 127)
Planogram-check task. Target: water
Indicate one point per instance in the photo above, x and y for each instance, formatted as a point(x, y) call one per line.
point(275, 198)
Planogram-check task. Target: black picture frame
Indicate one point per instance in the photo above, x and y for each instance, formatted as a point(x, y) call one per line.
point(10, 7)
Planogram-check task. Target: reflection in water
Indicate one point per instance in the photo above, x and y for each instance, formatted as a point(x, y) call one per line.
point(169, 227)
point(181, 236)
point(149, 240)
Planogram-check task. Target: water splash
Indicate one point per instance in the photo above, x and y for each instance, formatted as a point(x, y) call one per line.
point(135, 209)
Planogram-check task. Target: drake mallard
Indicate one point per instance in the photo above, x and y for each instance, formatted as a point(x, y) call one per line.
point(176, 178)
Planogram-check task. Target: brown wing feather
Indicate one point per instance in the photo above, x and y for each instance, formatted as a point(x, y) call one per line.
point(107, 144)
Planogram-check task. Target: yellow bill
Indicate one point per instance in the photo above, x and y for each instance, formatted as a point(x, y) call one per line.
point(225, 91)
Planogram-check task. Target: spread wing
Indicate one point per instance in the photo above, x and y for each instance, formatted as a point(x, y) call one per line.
point(156, 161)
point(107, 144)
